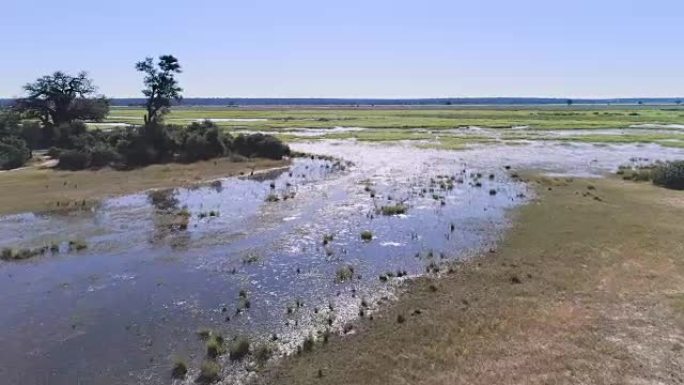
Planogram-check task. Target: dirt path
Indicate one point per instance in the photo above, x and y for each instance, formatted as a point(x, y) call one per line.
point(588, 287)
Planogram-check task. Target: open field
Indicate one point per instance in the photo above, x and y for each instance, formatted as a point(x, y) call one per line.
point(402, 118)
point(33, 189)
point(588, 287)
point(444, 128)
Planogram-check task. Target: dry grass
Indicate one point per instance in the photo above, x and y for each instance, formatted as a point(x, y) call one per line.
point(599, 301)
point(33, 189)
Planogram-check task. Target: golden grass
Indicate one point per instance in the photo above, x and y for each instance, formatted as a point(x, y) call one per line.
point(599, 302)
point(33, 189)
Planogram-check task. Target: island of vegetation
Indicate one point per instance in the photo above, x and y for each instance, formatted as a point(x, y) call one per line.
point(53, 113)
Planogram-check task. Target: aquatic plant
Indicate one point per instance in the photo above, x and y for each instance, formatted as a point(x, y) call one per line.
point(308, 343)
point(366, 235)
point(209, 372)
point(272, 197)
point(215, 346)
point(77, 245)
point(204, 334)
point(344, 273)
point(393, 209)
point(238, 349)
point(179, 369)
point(250, 259)
point(262, 353)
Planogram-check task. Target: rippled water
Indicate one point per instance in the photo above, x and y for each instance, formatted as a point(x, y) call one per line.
point(119, 311)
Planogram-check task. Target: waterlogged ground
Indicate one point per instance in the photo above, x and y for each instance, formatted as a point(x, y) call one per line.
point(121, 310)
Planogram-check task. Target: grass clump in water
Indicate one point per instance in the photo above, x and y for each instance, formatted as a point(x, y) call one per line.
point(209, 372)
point(262, 353)
point(394, 209)
point(180, 369)
point(345, 273)
point(367, 235)
point(239, 349)
point(215, 346)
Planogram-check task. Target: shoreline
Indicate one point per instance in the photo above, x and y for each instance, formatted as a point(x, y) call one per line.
point(553, 304)
point(44, 190)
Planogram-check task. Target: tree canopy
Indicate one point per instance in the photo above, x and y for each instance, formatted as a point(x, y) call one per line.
point(60, 98)
point(161, 86)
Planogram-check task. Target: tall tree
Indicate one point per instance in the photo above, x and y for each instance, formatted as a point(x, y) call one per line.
point(60, 98)
point(161, 86)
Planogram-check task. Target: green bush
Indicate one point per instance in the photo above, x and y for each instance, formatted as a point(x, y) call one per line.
point(74, 160)
point(13, 152)
point(103, 155)
point(260, 145)
point(669, 175)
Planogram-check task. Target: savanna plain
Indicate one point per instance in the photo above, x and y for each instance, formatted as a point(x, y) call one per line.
point(405, 244)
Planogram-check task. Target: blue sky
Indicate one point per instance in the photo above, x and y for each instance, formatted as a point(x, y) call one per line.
point(297, 48)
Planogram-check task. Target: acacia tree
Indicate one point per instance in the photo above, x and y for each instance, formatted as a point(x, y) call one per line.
point(161, 86)
point(60, 98)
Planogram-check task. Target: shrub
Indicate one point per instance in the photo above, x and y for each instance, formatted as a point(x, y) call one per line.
point(260, 145)
point(74, 160)
point(103, 155)
point(13, 152)
point(179, 370)
point(209, 372)
point(239, 349)
point(669, 175)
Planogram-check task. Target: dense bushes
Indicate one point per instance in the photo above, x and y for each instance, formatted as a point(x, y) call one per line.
point(260, 145)
point(141, 146)
point(13, 152)
point(670, 175)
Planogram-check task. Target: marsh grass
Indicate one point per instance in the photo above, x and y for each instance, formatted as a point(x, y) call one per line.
point(179, 369)
point(209, 372)
point(239, 349)
point(393, 209)
point(345, 273)
point(367, 235)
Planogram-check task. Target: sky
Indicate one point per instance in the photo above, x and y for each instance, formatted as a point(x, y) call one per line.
point(351, 48)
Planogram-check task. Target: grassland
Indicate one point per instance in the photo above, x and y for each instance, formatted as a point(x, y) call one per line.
point(587, 287)
point(443, 128)
point(535, 118)
point(38, 190)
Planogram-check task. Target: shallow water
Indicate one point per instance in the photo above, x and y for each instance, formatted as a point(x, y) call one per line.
point(119, 311)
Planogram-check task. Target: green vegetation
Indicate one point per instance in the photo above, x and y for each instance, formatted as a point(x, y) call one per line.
point(215, 346)
point(344, 273)
point(62, 102)
point(670, 175)
point(552, 117)
point(179, 369)
point(393, 210)
point(367, 235)
point(239, 349)
point(209, 372)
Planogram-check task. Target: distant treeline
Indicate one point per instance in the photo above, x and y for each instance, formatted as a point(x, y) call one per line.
point(387, 102)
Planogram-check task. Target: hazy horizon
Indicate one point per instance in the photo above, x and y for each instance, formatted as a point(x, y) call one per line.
point(383, 50)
